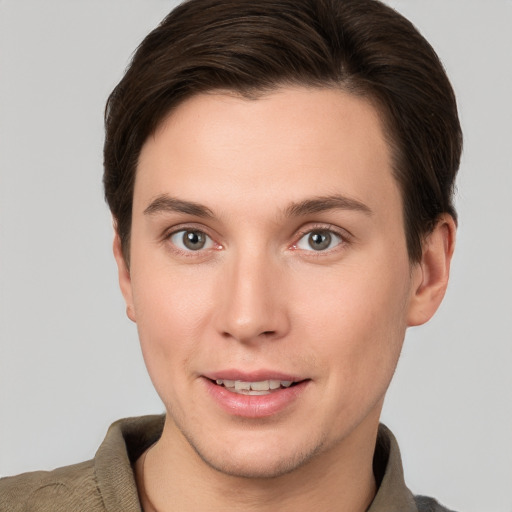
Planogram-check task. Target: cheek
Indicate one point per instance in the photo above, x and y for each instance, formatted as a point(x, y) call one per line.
point(359, 317)
point(170, 297)
point(172, 311)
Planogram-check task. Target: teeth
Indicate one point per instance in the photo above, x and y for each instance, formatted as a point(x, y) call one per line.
point(240, 385)
point(262, 387)
point(226, 383)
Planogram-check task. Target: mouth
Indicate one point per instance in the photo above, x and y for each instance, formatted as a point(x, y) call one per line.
point(257, 394)
point(256, 388)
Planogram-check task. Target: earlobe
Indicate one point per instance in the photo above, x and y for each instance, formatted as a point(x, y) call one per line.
point(125, 282)
point(432, 272)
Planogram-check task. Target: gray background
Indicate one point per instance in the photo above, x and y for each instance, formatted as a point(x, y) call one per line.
point(69, 358)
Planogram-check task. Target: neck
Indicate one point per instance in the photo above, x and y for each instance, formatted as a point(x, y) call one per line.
point(171, 476)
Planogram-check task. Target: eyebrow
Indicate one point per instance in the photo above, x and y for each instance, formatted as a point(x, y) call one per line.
point(325, 203)
point(165, 203)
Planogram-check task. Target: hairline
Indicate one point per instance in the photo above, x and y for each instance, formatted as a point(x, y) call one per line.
point(358, 88)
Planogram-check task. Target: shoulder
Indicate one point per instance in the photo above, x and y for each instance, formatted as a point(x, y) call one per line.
point(426, 504)
point(393, 494)
point(63, 489)
point(103, 483)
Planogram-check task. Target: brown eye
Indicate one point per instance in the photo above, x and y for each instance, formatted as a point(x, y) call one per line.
point(191, 240)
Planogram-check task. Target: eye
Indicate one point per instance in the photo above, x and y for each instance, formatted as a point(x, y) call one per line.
point(319, 240)
point(191, 240)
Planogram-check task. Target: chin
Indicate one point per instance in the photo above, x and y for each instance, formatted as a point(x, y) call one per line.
point(247, 467)
point(262, 460)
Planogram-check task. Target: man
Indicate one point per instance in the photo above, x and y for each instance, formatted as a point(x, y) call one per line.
point(280, 176)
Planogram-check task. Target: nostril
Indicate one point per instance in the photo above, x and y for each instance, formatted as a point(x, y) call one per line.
point(268, 333)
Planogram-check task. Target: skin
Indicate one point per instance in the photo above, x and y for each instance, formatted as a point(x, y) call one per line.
point(259, 296)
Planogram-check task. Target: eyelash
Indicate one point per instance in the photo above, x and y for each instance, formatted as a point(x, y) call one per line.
point(342, 236)
point(168, 236)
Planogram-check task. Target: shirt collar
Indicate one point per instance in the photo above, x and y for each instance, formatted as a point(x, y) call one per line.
point(127, 439)
point(392, 493)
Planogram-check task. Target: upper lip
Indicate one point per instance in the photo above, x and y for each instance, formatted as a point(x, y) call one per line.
point(251, 376)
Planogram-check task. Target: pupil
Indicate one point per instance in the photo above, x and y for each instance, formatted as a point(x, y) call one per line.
point(193, 240)
point(319, 240)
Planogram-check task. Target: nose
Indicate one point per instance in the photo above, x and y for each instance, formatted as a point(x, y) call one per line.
point(252, 302)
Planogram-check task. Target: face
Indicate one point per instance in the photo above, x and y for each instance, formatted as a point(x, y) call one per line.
point(269, 276)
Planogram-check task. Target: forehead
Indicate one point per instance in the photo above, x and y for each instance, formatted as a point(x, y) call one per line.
point(280, 146)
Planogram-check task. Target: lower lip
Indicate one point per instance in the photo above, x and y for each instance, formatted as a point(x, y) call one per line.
point(255, 406)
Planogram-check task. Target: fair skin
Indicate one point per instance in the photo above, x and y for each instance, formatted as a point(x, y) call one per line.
point(268, 246)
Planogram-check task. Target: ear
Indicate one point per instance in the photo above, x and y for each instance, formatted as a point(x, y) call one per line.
point(125, 282)
point(432, 272)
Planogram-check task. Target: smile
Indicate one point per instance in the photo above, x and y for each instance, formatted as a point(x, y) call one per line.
point(255, 395)
point(262, 387)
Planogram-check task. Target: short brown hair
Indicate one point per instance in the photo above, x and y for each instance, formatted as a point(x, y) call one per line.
point(254, 46)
